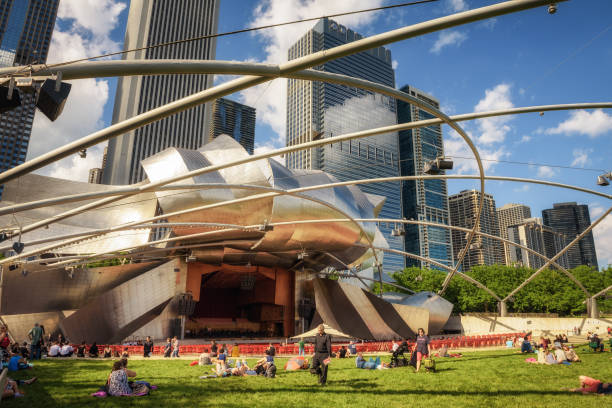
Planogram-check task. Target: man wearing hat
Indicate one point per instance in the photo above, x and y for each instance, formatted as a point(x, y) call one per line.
point(322, 349)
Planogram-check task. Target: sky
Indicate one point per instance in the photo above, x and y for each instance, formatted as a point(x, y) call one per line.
point(522, 59)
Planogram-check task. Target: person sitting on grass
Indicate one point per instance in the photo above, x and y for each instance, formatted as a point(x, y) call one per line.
point(17, 363)
point(549, 358)
point(570, 354)
point(81, 350)
point(12, 388)
point(265, 368)
point(342, 352)
point(560, 355)
point(54, 350)
point(108, 351)
point(126, 353)
point(526, 345)
point(66, 350)
point(118, 384)
point(590, 385)
point(596, 344)
point(93, 350)
point(23, 350)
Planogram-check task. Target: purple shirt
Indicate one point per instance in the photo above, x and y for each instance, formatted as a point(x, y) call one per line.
point(421, 344)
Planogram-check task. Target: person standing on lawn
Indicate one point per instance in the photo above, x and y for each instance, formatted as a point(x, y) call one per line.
point(322, 349)
point(147, 347)
point(36, 336)
point(422, 347)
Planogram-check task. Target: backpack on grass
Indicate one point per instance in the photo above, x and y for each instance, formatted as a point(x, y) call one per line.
point(429, 364)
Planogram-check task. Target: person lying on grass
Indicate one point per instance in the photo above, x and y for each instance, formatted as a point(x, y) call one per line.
point(372, 364)
point(590, 385)
point(12, 389)
point(570, 354)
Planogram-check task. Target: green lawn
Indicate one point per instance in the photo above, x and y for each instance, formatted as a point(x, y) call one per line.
point(479, 379)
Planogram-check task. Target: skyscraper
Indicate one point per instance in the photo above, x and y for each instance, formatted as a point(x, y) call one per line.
point(483, 250)
point(544, 240)
point(507, 215)
point(572, 219)
point(25, 35)
point(153, 22)
point(234, 119)
point(423, 200)
point(320, 110)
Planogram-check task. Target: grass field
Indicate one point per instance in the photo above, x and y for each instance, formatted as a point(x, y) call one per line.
point(479, 379)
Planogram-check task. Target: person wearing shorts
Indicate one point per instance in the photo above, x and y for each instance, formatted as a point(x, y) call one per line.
point(422, 347)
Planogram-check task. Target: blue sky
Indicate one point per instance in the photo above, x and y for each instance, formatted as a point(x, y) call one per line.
point(522, 59)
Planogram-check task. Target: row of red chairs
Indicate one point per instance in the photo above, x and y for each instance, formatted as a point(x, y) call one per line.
point(372, 347)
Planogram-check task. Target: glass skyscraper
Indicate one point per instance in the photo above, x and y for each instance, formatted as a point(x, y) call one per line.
point(153, 22)
point(25, 35)
point(423, 200)
point(321, 110)
point(233, 119)
point(572, 219)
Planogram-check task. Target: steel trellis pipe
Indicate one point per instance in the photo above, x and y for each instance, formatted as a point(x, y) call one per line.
point(289, 67)
point(559, 254)
point(89, 235)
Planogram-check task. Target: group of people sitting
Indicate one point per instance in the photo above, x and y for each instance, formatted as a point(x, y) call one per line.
point(118, 382)
point(560, 354)
point(595, 343)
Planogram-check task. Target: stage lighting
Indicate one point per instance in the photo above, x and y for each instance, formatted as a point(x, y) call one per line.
point(398, 232)
point(9, 98)
point(603, 179)
point(83, 154)
point(552, 8)
point(265, 227)
point(52, 97)
point(436, 166)
point(18, 247)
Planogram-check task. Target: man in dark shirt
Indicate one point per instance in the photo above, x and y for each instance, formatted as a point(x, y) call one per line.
point(322, 349)
point(147, 347)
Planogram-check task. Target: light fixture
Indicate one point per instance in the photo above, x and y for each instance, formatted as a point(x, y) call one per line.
point(83, 153)
point(398, 231)
point(18, 247)
point(436, 166)
point(52, 97)
point(265, 227)
point(9, 97)
point(302, 255)
point(191, 257)
point(552, 8)
point(603, 179)
point(476, 245)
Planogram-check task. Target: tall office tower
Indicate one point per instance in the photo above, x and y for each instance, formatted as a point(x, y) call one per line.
point(507, 215)
point(25, 34)
point(95, 176)
point(483, 250)
point(544, 240)
point(321, 110)
point(423, 200)
point(572, 219)
point(234, 119)
point(153, 22)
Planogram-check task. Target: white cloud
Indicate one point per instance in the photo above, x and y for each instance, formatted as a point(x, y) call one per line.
point(446, 38)
point(582, 122)
point(456, 5)
point(464, 163)
point(494, 130)
point(97, 16)
point(581, 157)
point(260, 149)
point(525, 139)
point(90, 25)
point(522, 189)
point(546, 172)
point(602, 234)
point(522, 91)
point(270, 99)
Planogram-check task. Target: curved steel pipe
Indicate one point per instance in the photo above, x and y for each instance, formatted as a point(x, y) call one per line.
point(559, 254)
